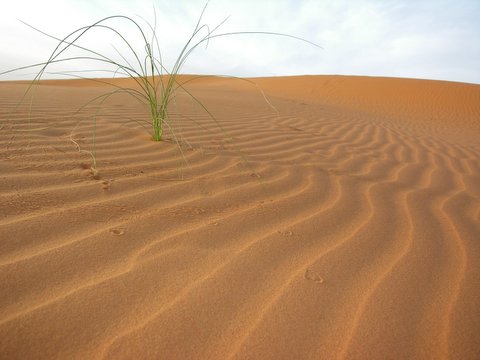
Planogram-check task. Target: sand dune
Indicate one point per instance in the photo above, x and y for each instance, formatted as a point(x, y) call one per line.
point(338, 219)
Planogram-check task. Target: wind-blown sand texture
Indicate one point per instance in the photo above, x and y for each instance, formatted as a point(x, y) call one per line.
point(345, 226)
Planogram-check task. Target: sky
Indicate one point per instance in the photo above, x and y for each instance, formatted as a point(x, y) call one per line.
point(428, 39)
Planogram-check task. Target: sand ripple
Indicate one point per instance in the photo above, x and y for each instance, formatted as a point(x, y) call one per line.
point(344, 224)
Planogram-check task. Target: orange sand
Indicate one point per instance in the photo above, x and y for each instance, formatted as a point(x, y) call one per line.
point(351, 232)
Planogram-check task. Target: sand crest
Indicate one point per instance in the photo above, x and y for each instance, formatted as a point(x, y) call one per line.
point(333, 217)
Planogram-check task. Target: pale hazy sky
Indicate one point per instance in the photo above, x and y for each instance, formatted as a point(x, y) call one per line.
point(431, 39)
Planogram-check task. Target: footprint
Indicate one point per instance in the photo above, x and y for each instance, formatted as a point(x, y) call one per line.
point(313, 276)
point(117, 232)
point(94, 174)
point(106, 184)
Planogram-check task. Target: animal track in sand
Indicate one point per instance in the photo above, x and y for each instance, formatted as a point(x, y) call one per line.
point(313, 276)
point(106, 184)
point(118, 232)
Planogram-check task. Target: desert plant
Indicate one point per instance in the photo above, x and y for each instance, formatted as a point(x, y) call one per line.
point(157, 86)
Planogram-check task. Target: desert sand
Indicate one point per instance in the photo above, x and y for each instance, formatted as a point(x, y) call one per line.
point(322, 217)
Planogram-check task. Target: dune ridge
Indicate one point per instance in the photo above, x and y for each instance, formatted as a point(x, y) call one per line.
point(338, 219)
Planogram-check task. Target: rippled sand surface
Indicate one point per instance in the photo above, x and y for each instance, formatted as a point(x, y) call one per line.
point(319, 217)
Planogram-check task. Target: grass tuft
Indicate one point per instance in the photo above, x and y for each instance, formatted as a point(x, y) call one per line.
point(157, 86)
